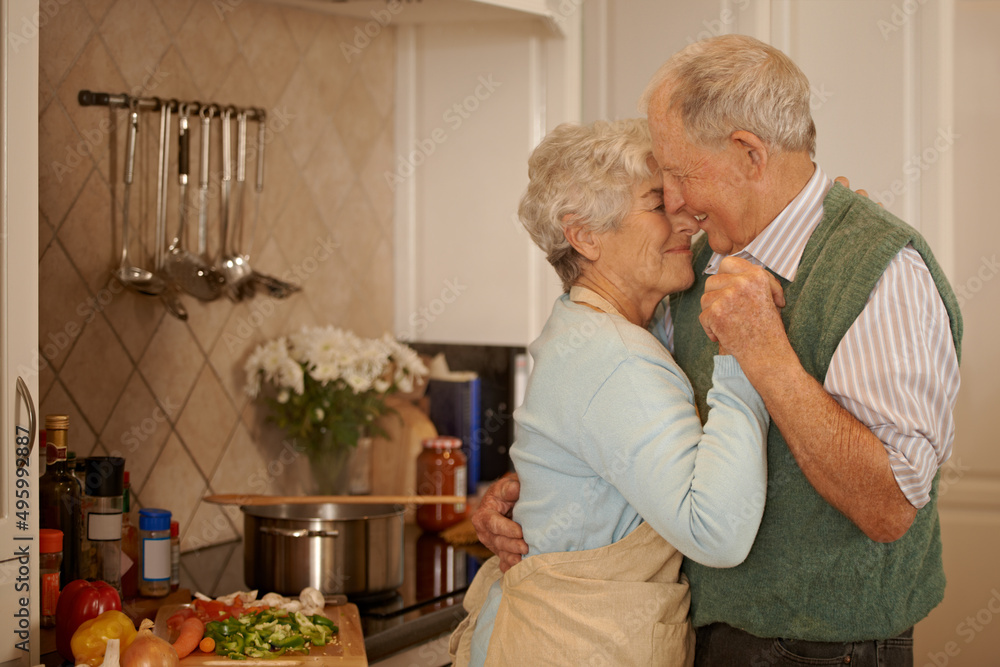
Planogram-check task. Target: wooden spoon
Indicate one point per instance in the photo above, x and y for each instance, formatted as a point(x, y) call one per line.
point(254, 499)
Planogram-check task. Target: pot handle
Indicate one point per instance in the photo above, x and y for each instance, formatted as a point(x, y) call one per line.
point(291, 532)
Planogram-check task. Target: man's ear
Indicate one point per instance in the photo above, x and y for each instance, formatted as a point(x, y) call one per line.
point(583, 240)
point(753, 153)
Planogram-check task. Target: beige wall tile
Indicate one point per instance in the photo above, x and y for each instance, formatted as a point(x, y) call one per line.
point(207, 421)
point(98, 8)
point(171, 363)
point(88, 234)
point(61, 169)
point(65, 31)
point(137, 430)
point(96, 372)
point(136, 38)
point(303, 27)
point(80, 437)
point(140, 368)
point(174, 12)
point(208, 48)
point(61, 291)
point(174, 484)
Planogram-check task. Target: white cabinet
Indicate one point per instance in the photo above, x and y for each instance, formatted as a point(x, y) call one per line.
point(19, 578)
point(472, 100)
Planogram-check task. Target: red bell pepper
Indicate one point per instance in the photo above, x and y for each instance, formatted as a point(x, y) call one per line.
point(80, 601)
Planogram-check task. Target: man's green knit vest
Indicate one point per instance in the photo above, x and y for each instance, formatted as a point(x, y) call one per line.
point(812, 574)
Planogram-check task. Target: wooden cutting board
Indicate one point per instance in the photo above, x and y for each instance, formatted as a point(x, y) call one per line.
point(347, 650)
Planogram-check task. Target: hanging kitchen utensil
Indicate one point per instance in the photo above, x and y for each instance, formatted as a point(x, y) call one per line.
point(187, 270)
point(206, 113)
point(278, 289)
point(133, 277)
point(169, 296)
point(259, 187)
point(230, 265)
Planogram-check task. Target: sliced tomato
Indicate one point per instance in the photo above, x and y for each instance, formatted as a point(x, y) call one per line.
point(175, 621)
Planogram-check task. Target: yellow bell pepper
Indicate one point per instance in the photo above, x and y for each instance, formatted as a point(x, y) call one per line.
point(90, 640)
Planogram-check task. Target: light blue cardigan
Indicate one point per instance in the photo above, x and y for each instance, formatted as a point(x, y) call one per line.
point(608, 436)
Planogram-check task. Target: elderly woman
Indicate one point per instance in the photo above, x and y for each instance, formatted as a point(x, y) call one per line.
point(618, 477)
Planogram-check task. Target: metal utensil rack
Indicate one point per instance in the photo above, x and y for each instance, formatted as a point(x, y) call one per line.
point(272, 286)
point(88, 98)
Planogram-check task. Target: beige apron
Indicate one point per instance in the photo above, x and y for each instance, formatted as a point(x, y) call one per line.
point(623, 604)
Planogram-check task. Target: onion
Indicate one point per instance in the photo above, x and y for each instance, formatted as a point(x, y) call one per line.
point(148, 650)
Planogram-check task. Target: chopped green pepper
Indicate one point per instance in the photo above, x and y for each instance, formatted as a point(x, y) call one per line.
point(269, 634)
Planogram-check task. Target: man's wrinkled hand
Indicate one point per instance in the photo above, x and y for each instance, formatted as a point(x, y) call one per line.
point(740, 310)
point(494, 527)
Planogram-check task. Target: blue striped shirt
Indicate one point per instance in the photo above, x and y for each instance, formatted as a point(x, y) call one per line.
point(896, 369)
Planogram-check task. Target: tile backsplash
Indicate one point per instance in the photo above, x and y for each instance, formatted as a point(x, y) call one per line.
point(137, 382)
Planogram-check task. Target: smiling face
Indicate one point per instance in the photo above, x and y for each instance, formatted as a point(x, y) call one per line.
point(651, 258)
point(704, 185)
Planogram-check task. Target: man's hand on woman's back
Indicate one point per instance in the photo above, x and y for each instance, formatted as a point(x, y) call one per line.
point(494, 527)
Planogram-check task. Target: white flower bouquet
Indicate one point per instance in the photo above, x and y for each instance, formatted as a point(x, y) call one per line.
point(327, 386)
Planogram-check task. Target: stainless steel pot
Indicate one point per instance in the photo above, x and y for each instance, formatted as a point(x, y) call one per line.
point(337, 549)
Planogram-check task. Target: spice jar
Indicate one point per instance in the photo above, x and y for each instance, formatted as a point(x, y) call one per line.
point(175, 556)
point(154, 552)
point(50, 555)
point(101, 555)
point(441, 471)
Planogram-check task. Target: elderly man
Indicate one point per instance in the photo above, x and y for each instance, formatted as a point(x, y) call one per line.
point(859, 370)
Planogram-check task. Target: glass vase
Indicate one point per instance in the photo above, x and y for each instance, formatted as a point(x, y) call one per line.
point(337, 469)
point(329, 466)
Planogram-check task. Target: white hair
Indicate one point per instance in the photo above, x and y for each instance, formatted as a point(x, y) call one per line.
point(735, 82)
point(585, 175)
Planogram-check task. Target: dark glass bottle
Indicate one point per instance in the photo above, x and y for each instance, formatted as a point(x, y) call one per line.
point(59, 498)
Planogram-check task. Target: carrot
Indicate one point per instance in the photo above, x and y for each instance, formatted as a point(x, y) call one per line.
point(207, 645)
point(191, 632)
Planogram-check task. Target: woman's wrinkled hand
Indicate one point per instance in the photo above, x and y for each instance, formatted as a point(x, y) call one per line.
point(494, 527)
point(847, 184)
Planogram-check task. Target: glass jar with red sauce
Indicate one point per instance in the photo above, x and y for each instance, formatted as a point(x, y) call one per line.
point(441, 471)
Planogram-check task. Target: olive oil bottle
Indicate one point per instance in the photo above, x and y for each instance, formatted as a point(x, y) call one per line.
point(59, 497)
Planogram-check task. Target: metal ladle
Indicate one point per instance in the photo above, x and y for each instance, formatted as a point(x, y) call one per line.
point(130, 276)
point(189, 271)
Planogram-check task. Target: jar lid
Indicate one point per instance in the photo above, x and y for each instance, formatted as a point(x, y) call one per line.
point(151, 518)
point(175, 529)
point(105, 476)
point(50, 541)
point(443, 442)
point(57, 422)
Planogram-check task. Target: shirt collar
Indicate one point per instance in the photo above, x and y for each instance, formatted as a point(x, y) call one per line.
point(780, 245)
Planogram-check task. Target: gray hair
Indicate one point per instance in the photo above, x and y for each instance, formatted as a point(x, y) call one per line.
point(735, 82)
point(583, 174)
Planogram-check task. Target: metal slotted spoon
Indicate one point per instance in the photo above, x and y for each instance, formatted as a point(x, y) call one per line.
point(231, 265)
point(170, 295)
point(189, 271)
